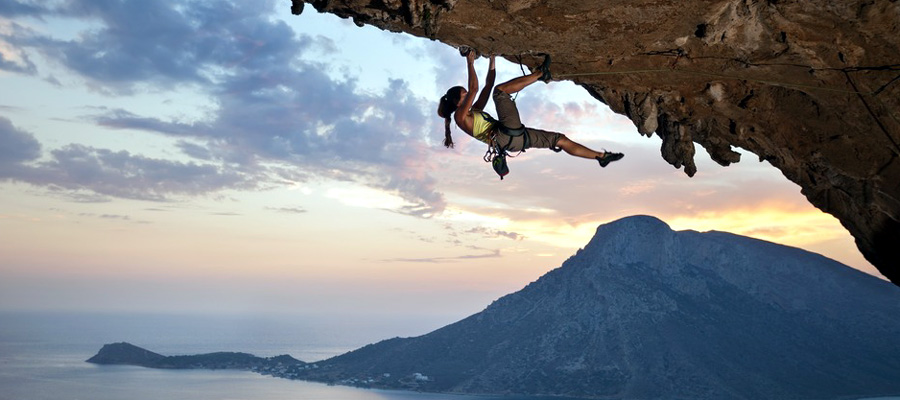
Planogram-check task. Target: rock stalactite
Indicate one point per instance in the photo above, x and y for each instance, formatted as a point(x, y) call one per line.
point(812, 87)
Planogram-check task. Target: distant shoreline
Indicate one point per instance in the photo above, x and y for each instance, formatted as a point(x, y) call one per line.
point(282, 366)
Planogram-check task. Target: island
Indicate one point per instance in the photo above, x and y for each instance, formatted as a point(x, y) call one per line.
point(283, 366)
point(128, 354)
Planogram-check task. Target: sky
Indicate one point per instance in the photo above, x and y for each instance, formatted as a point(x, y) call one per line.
point(229, 157)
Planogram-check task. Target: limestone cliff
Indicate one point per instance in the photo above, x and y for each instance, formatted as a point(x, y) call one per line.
point(811, 86)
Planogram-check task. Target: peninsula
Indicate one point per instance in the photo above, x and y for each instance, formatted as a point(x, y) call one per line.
point(128, 354)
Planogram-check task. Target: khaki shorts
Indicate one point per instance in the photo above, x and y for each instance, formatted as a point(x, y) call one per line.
point(508, 115)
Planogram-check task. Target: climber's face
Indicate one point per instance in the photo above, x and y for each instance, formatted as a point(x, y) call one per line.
point(462, 96)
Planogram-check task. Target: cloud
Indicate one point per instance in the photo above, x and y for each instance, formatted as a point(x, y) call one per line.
point(495, 233)
point(12, 57)
point(288, 210)
point(274, 110)
point(122, 174)
point(17, 147)
point(194, 150)
point(124, 119)
point(106, 216)
point(434, 260)
point(163, 43)
point(16, 8)
point(104, 172)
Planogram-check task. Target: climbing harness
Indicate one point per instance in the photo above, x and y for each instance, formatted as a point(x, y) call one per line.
point(496, 154)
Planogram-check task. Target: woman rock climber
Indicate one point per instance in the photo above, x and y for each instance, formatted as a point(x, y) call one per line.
point(470, 117)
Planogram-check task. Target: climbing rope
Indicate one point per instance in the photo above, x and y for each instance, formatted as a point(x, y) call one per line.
point(463, 50)
point(522, 67)
point(721, 76)
point(855, 91)
point(872, 94)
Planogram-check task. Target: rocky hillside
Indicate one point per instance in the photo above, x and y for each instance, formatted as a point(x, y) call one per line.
point(644, 312)
point(811, 86)
point(123, 353)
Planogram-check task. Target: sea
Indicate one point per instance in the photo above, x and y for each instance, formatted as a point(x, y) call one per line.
point(42, 355)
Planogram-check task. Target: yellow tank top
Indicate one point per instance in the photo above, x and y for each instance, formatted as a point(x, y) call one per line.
point(481, 127)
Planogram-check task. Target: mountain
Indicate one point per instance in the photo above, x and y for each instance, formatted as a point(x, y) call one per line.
point(644, 312)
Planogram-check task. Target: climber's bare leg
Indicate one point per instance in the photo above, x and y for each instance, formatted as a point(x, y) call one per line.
point(577, 149)
point(516, 84)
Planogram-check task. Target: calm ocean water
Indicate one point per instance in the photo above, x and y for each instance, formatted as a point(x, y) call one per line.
point(42, 356)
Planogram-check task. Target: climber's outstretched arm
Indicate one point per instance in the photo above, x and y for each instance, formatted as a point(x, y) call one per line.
point(488, 87)
point(472, 88)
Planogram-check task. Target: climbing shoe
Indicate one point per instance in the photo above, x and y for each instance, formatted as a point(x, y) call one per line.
point(608, 157)
point(545, 69)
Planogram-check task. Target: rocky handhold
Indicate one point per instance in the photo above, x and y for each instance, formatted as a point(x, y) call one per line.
point(812, 87)
point(297, 7)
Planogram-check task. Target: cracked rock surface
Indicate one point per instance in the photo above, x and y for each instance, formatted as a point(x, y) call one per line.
point(813, 86)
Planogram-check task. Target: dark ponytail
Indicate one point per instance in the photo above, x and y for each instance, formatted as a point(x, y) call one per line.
point(446, 108)
point(448, 140)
